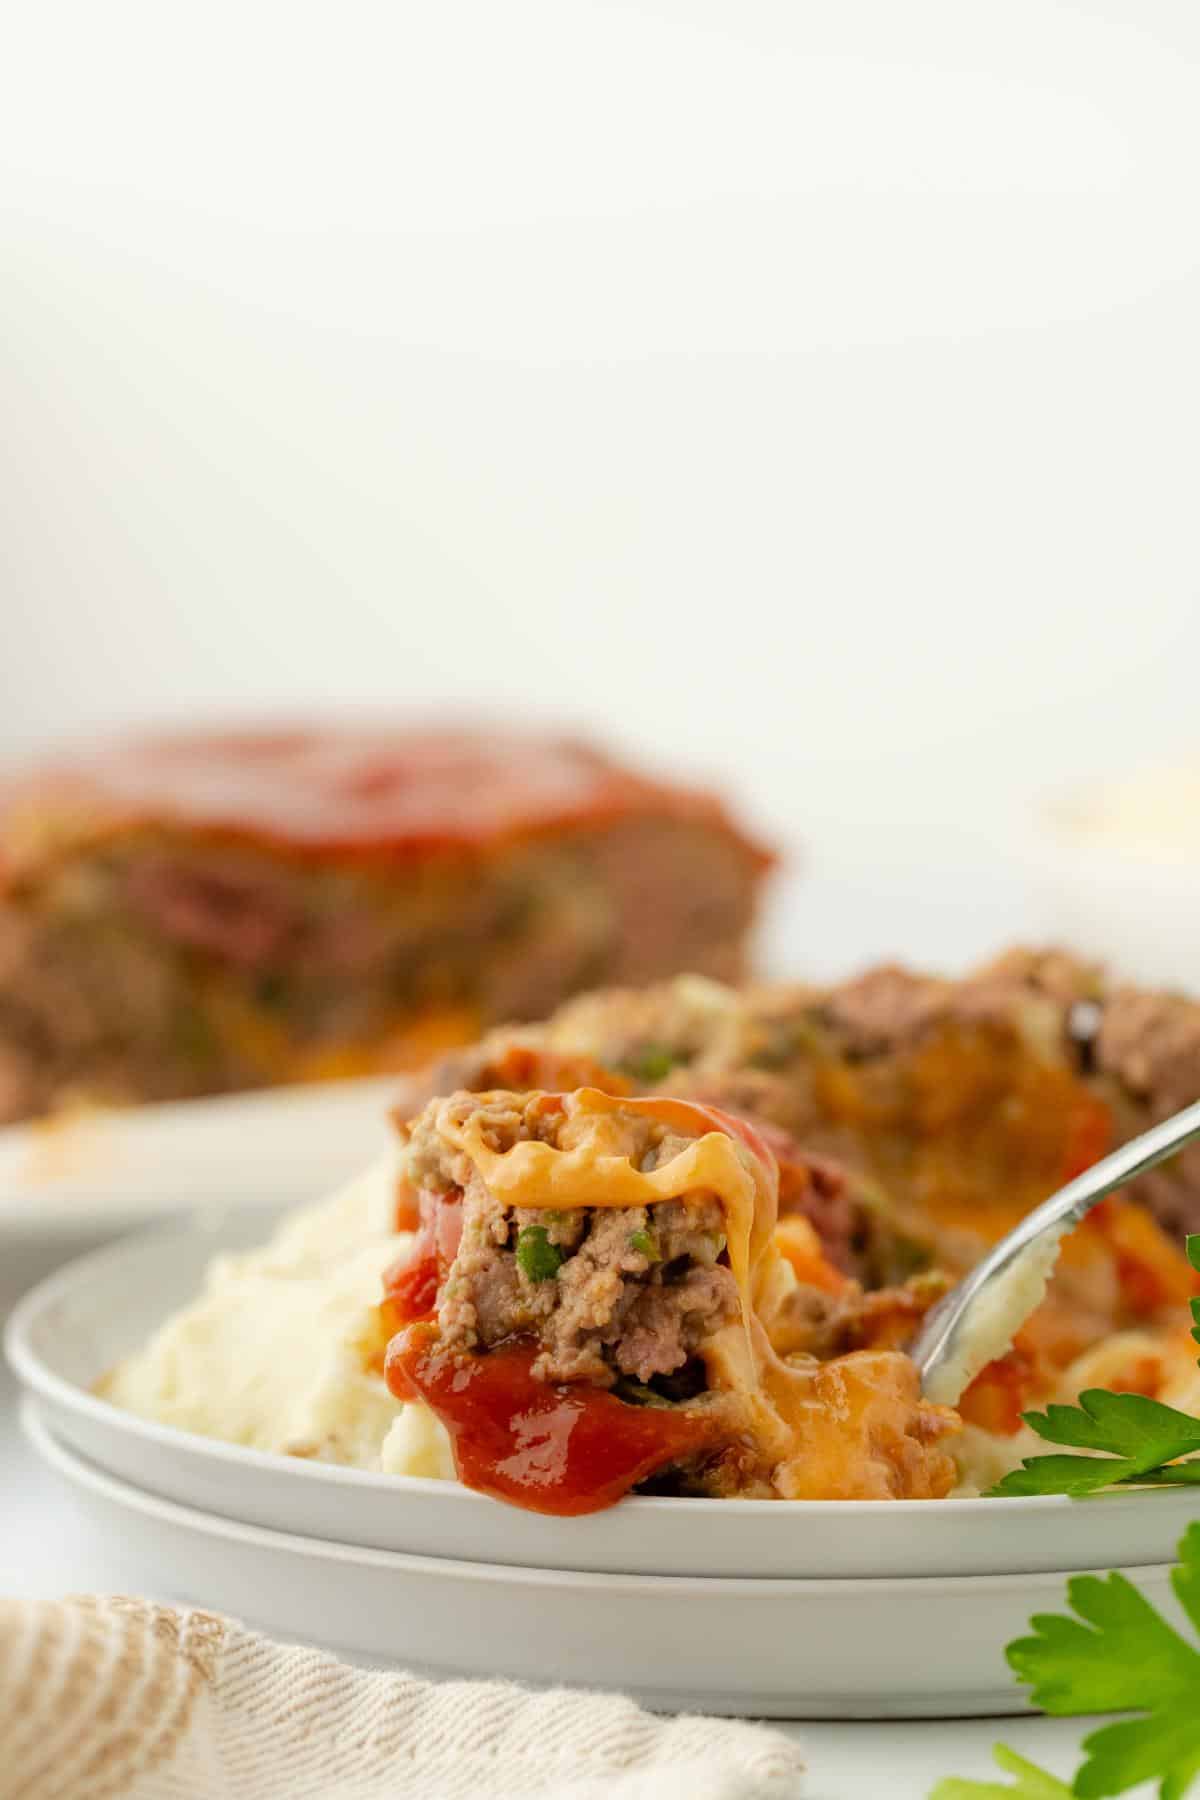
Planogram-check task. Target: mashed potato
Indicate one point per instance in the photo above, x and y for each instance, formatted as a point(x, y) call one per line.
point(275, 1352)
point(985, 1457)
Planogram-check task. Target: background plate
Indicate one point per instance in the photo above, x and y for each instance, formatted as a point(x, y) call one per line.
point(67, 1186)
point(108, 1171)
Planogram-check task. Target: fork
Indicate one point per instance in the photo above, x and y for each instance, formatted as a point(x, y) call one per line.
point(976, 1321)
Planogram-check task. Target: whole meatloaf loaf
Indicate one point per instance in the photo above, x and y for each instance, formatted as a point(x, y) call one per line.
point(200, 912)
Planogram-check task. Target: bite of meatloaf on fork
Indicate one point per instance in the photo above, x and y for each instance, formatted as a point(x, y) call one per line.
point(598, 1298)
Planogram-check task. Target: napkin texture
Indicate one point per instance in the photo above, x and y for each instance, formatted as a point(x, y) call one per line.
point(104, 1696)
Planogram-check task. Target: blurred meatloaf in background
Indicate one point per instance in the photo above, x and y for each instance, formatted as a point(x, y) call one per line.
point(970, 1100)
point(207, 911)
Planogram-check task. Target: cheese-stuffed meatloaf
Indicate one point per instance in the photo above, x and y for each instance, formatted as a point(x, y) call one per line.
point(679, 1238)
point(598, 1298)
point(913, 1121)
point(210, 911)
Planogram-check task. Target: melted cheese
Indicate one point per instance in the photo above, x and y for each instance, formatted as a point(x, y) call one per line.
point(853, 1428)
point(266, 1043)
point(535, 1175)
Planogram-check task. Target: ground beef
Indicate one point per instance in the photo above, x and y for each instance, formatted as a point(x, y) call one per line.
point(637, 1289)
point(883, 1010)
point(166, 972)
point(813, 1322)
point(619, 1313)
point(1138, 1048)
point(848, 1212)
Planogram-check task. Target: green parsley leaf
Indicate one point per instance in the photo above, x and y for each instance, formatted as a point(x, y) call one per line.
point(1182, 1474)
point(1129, 1425)
point(1076, 1476)
point(537, 1257)
point(1119, 1655)
point(1032, 1783)
point(1135, 1436)
point(649, 1063)
point(1137, 1441)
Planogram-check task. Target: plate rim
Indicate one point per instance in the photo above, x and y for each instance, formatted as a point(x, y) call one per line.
point(73, 1466)
point(51, 1210)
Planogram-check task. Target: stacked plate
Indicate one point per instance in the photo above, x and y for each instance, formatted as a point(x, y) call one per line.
point(786, 1609)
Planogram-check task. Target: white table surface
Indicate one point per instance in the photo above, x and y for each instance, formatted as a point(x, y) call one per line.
point(47, 1546)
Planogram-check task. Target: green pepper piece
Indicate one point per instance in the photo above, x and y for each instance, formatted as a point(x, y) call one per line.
point(537, 1257)
point(650, 1063)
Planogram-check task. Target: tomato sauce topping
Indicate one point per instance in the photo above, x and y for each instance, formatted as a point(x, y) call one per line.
point(548, 1447)
point(345, 790)
point(1152, 1271)
point(410, 1286)
point(1000, 1393)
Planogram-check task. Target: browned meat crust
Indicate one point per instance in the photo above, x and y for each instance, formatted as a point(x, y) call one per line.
point(994, 1086)
point(622, 1293)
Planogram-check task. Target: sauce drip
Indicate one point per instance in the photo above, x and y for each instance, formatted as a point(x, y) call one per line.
point(410, 1286)
point(549, 1448)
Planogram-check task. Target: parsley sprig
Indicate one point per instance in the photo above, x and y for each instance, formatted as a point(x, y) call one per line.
point(1135, 1441)
point(1116, 1654)
point(1032, 1783)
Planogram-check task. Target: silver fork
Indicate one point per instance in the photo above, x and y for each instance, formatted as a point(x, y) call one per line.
point(976, 1321)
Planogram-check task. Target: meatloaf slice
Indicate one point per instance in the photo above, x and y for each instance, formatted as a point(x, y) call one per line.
point(968, 1100)
point(629, 1291)
point(209, 911)
point(595, 1300)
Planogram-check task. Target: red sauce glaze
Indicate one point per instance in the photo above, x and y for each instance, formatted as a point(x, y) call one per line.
point(351, 790)
point(999, 1394)
point(410, 1286)
point(407, 1216)
point(1089, 1134)
point(550, 1448)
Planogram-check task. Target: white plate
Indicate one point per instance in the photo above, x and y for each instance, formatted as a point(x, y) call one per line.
point(101, 1173)
point(124, 1167)
point(779, 1649)
point(74, 1326)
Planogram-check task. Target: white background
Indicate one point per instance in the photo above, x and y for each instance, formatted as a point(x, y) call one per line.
point(804, 391)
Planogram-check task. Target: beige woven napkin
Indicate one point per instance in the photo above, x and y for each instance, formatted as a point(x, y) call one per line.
point(112, 1697)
